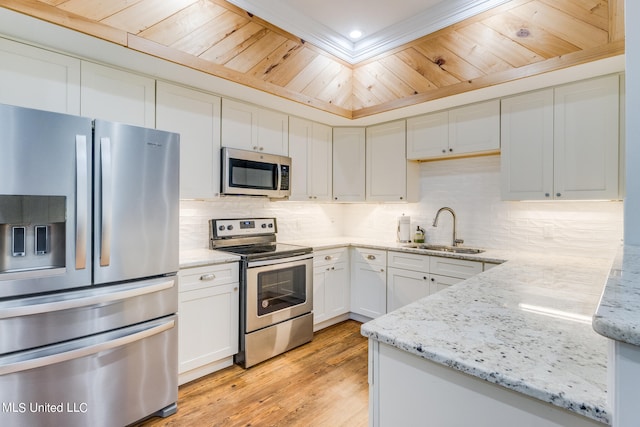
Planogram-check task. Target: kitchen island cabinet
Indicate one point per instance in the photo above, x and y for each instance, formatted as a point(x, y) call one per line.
point(209, 319)
point(562, 143)
point(37, 78)
point(512, 346)
point(331, 295)
point(249, 127)
point(195, 115)
point(310, 149)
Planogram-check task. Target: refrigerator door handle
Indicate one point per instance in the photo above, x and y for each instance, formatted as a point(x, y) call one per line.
point(105, 235)
point(66, 303)
point(84, 351)
point(82, 191)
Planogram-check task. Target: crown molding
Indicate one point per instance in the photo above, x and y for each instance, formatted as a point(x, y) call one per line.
point(443, 14)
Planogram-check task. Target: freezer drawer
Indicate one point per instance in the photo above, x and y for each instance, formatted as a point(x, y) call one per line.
point(37, 321)
point(111, 379)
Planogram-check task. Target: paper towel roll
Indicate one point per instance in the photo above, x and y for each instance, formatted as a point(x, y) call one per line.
point(404, 229)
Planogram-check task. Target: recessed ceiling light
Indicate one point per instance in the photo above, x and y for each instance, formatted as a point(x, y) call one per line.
point(355, 34)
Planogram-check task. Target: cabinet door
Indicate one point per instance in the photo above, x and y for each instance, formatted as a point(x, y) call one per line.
point(586, 139)
point(349, 164)
point(249, 127)
point(386, 167)
point(337, 290)
point(405, 287)
point(196, 117)
point(428, 136)
point(118, 96)
point(369, 290)
point(527, 146)
point(36, 78)
point(474, 128)
point(438, 283)
point(239, 125)
point(320, 279)
point(310, 151)
point(273, 132)
point(208, 327)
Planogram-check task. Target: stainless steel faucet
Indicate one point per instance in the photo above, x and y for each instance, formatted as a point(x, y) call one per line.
point(455, 240)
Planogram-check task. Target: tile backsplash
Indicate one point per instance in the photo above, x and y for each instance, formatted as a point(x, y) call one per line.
point(470, 186)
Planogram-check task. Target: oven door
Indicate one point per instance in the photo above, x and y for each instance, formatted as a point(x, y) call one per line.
point(278, 290)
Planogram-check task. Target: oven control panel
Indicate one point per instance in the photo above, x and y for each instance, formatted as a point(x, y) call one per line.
point(243, 227)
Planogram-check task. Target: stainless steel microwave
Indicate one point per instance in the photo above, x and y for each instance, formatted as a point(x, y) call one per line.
point(255, 174)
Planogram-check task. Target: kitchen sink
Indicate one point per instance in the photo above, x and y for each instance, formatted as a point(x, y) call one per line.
point(452, 249)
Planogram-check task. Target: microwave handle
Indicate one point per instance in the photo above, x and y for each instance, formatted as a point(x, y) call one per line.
point(279, 185)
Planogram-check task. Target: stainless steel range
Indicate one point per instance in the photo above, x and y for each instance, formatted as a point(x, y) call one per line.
point(276, 287)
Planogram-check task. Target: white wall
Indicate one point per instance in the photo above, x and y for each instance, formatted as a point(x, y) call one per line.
point(470, 186)
point(632, 47)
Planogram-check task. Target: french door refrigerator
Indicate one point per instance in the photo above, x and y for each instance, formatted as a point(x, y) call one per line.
point(88, 260)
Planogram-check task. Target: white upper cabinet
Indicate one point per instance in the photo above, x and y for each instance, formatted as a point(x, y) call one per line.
point(248, 127)
point(428, 135)
point(586, 139)
point(195, 116)
point(527, 146)
point(118, 96)
point(470, 129)
point(562, 143)
point(349, 164)
point(310, 149)
point(389, 176)
point(37, 78)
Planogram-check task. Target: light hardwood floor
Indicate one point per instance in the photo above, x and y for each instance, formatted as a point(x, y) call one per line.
point(322, 383)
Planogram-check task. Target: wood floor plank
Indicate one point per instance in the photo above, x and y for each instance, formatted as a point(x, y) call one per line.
point(320, 384)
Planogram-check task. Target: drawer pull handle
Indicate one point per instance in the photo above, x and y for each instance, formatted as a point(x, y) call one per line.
point(328, 258)
point(371, 257)
point(206, 277)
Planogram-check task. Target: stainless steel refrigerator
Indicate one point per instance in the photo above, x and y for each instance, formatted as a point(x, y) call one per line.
point(88, 260)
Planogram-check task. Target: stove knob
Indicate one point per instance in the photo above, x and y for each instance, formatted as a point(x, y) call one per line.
point(264, 225)
point(229, 227)
point(221, 228)
point(270, 225)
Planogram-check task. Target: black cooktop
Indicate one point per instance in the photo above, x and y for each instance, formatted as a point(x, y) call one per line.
point(267, 251)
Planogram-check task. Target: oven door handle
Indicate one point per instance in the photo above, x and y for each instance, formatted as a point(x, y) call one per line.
point(261, 263)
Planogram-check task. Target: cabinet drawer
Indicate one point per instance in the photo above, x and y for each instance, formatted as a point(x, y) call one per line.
point(408, 261)
point(330, 256)
point(211, 275)
point(451, 267)
point(370, 256)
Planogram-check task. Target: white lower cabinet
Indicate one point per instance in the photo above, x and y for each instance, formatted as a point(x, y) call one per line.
point(208, 319)
point(331, 295)
point(369, 282)
point(413, 276)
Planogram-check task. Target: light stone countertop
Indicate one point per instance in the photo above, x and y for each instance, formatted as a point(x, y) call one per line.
point(203, 257)
point(618, 314)
point(524, 325)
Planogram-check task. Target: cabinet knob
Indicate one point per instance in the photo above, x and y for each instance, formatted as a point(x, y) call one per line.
point(328, 258)
point(451, 150)
point(546, 194)
point(424, 277)
point(558, 194)
point(207, 277)
point(235, 288)
point(382, 270)
point(444, 150)
point(433, 280)
point(335, 198)
point(255, 147)
point(371, 257)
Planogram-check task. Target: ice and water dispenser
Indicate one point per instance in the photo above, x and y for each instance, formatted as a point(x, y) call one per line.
point(32, 232)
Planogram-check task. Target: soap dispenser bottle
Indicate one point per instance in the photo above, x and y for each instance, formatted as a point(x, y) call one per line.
point(419, 236)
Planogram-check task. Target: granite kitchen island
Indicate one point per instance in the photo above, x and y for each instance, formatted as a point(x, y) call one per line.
point(511, 346)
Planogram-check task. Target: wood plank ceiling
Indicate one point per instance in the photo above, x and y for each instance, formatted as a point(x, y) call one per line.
point(515, 40)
